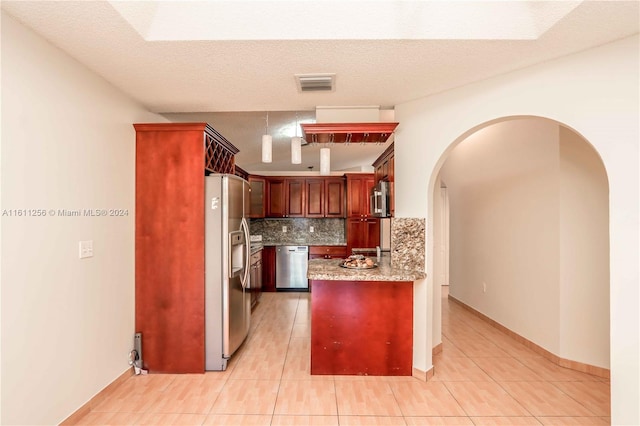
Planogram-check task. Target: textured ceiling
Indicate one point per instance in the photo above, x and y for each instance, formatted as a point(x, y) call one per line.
point(241, 67)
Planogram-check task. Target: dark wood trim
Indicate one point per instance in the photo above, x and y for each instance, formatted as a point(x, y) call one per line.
point(347, 132)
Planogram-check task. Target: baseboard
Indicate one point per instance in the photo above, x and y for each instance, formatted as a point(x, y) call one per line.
point(436, 349)
point(422, 375)
point(77, 415)
point(573, 365)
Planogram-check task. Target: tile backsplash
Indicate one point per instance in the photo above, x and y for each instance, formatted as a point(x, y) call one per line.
point(325, 231)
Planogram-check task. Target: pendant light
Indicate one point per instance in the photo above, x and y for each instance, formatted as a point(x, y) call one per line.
point(266, 144)
point(296, 146)
point(325, 161)
point(296, 150)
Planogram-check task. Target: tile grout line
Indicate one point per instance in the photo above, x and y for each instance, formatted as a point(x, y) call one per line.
point(273, 413)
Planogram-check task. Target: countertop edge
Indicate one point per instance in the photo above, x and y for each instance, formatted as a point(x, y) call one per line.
point(329, 270)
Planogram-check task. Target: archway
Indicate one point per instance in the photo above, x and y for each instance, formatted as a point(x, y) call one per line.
point(529, 218)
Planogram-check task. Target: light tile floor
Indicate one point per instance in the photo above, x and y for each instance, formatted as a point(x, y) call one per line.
point(482, 377)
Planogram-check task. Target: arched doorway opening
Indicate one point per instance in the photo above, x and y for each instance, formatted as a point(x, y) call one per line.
point(529, 235)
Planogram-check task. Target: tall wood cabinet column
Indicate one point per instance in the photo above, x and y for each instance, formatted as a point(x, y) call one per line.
point(170, 170)
point(363, 231)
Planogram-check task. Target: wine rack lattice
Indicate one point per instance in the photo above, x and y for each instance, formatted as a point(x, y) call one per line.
point(219, 152)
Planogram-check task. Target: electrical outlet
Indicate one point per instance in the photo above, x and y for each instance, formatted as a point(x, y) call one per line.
point(484, 287)
point(311, 229)
point(284, 229)
point(85, 249)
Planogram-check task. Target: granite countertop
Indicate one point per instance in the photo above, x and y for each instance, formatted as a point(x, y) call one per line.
point(329, 269)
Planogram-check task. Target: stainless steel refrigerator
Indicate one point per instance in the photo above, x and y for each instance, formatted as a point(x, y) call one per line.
point(227, 250)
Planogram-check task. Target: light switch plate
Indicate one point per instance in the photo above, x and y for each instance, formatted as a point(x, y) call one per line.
point(85, 249)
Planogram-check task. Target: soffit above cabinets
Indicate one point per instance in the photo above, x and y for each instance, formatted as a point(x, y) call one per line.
point(347, 132)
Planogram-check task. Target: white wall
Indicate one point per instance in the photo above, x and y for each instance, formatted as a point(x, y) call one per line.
point(584, 251)
point(67, 143)
point(529, 218)
point(504, 208)
point(596, 93)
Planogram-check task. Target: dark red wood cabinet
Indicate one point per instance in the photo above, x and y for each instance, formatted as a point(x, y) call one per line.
point(384, 170)
point(363, 231)
point(327, 252)
point(358, 189)
point(285, 197)
point(171, 160)
point(315, 197)
point(295, 197)
point(276, 197)
point(362, 328)
point(257, 198)
point(269, 268)
point(334, 197)
point(324, 197)
point(304, 197)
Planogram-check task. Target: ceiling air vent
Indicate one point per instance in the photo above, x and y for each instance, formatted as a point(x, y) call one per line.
point(316, 82)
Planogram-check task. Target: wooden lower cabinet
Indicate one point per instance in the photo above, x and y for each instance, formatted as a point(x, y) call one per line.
point(327, 252)
point(269, 268)
point(362, 328)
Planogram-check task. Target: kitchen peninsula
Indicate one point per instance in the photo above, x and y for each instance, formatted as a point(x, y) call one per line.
point(361, 319)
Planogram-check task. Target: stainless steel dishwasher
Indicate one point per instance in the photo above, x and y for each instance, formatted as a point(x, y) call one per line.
point(291, 267)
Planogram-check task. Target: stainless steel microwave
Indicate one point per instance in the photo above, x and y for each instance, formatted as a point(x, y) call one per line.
point(379, 200)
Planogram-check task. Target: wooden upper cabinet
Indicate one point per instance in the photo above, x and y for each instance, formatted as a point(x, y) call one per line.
point(285, 197)
point(257, 198)
point(385, 170)
point(276, 199)
point(325, 197)
point(315, 197)
point(358, 189)
point(295, 197)
point(334, 197)
point(384, 165)
point(304, 197)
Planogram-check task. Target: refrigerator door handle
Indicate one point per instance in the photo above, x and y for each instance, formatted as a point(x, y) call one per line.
point(245, 229)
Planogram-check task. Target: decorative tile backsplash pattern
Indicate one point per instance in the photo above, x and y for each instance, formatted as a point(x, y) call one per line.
point(407, 243)
point(325, 232)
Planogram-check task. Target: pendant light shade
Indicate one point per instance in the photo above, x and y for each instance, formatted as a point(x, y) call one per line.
point(266, 148)
point(296, 150)
point(325, 161)
point(266, 143)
